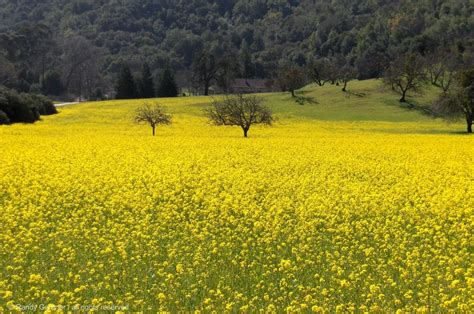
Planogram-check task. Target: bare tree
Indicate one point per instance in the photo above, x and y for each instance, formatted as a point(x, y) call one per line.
point(346, 74)
point(152, 116)
point(239, 110)
point(344, 71)
point(80, 59)
point(435, 65)
point(459, 101)
point(406, 73)
point(320, 71)
point(209, 69)
point(291, 78)
point(442, 67)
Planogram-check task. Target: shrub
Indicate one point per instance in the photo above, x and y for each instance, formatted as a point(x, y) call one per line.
point(25, 108)
point(16, 108)
point(4, 118)
point(42, 104)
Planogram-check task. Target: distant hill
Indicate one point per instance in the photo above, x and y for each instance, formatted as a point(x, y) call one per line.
point(259, 33)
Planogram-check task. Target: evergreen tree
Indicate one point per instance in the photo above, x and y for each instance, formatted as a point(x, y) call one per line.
point(146, 87)
point(167, 86)
point(51, 84)
point(126, 88)
point(245, 59)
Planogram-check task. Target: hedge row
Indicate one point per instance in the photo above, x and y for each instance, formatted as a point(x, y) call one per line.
point(26, 108)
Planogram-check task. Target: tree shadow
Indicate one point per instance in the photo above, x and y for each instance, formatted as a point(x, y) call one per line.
point(302, 100)
point(349, 94)
point(426, 132)
point(423, 109)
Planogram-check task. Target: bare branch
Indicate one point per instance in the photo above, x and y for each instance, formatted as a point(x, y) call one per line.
point(152, 116)
point(240, 111)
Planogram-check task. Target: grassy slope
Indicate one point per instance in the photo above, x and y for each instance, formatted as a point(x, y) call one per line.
point(367, 105)
point(364, 101)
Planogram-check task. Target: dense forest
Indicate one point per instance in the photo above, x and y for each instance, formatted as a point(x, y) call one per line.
point(79, 46)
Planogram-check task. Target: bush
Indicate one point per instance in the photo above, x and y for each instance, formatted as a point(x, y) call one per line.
point(43, 105)
point(16, 107)
point(25, 108)
point(4, 118)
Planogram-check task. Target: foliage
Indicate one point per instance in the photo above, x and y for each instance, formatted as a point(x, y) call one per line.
point(52, 84)
point(460, 101)
point(4, 118)
point(146, 86)
point(259, 34)
point(42, 104)
point(167, 86)
point(18, 108)
point(318, 213)
point(291, 78)
point(152, 116)
point(126, 87)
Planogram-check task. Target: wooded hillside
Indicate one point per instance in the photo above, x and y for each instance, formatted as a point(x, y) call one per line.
point(260, 34)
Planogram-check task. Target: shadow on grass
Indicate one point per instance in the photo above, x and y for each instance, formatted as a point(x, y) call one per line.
point(424, 109)
point(303, 100)
point(425, 132)
point(350, 93)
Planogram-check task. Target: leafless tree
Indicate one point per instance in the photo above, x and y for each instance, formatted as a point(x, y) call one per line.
point(435, 65)
point(406, 73)
point(239, 110)
point(152, 115)
point(344, 71)
point(80, 59)
point(291, 78)
point(346, 74)
point(320, 71)
point(210, 69)
point(442, 67)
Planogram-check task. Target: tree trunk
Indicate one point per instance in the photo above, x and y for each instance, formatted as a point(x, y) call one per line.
point(153, 127)
point(246, 130)
point(292, 93)
point(206, 89)
point(344, 88)
point(469, 124)
point(403, 99)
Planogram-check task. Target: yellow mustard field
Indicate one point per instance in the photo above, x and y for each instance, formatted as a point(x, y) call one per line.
point(308, 215)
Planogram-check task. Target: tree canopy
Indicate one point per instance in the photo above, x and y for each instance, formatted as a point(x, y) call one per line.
point(260, 35)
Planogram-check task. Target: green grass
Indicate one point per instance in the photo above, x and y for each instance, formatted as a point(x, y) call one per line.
point(364, 101)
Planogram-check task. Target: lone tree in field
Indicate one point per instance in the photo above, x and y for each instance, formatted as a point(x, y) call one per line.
point(152, 116)
point(459, 101)
point(240, 110)
point(406, 73)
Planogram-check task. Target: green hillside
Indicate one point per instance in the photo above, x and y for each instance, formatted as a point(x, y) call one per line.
point(364, 101)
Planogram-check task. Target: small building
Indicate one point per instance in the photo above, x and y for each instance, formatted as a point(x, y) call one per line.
point(246, 86)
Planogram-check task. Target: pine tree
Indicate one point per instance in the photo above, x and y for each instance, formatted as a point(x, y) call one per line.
point(126, 88)
point(146, 86)
point(167, 86)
